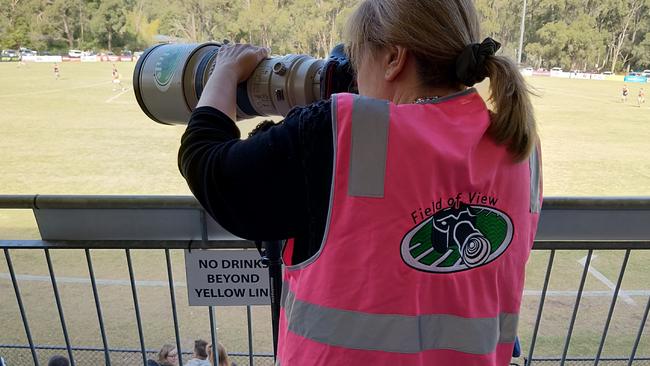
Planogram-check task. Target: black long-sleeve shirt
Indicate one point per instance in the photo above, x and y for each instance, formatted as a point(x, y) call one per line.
point(274, 185)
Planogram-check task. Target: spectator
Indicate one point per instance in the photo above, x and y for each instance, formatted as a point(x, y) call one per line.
point(168, 355)
point(223, 356)
point(58, 360)
point(200, 354)
point(366, 169)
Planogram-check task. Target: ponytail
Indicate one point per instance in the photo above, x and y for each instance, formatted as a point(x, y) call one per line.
point(441, 35)
point(513, 120)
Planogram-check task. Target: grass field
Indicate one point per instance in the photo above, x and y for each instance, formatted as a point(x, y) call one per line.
point(76, 135)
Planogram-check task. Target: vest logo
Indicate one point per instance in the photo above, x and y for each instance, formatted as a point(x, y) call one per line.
point(457, 239)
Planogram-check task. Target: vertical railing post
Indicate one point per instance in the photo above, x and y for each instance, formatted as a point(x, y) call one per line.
point(172, 295)
point(547, 278)
point(138, 320)
point(644, 318)
point(23, 315)
point(213, 335)
point(59, 306)
point(576, 306)
point(250, 334)
point(213, 321)
point(98, 306)
point(611, 307)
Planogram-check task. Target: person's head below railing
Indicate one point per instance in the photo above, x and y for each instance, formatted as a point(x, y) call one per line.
point(222, 355)
point(168, 355)
point(58, 360)
point(200, 356)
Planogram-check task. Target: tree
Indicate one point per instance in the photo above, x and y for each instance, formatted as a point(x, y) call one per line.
point(110, 20)
point(62, 20)
point(641, 54)
point(575, 34)
point(632, 9)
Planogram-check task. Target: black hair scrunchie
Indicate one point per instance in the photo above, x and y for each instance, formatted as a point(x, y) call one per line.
point(470, 64)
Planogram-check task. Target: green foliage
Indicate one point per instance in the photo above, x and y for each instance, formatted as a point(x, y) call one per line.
point(641, 53)
point(573, 34)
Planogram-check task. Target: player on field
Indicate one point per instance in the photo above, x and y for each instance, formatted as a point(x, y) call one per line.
point(117, 79)
point(21, 62)
point(56, 71)
point(624, 93)
point(640, 99)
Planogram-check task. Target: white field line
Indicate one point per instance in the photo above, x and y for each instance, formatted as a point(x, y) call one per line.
point(610, 99)
point(103, 282)
point(81, 280)
point(53, 90)
point(601, 277)
point(117, 95)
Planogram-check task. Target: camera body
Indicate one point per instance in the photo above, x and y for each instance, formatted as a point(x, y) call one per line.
point(455, 229)
point(169, 78)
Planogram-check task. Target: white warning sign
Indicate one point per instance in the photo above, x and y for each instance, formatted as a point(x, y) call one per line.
point(226, 278)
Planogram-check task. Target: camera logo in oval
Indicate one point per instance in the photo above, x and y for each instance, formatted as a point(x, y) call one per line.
point(457, 239)
point(166, 67)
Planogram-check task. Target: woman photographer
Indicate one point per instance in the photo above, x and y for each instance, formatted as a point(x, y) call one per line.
point(410, 208)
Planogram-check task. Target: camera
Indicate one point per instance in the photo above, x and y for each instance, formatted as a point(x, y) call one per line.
point(456, 227)
point(169, 78)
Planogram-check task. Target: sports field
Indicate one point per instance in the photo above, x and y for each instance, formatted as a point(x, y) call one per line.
point(75, 135)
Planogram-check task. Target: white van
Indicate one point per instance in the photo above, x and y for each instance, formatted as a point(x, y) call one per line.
point(74, 53)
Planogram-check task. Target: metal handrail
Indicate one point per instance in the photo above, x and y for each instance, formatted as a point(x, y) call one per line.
point(38, 201)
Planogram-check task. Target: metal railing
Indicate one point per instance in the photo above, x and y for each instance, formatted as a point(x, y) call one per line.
point(166, 223)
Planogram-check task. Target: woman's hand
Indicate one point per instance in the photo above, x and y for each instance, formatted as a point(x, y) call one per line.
point(240, 59)
point(233, 64)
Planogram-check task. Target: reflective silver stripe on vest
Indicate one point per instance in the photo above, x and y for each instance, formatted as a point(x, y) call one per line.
point(533, 162)
point(370, 120)
point(397, 333)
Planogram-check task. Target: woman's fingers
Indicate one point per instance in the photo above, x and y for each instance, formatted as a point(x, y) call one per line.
point(242, 59)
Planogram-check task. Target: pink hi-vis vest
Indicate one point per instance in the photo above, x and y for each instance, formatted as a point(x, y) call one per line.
point(429, 228)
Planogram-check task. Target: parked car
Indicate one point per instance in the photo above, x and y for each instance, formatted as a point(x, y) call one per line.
point(10, 53)
point(126, 56)
point(556, 69)
point(75, 53)
point(646, 73)
point(27, 52)
point(608, 73)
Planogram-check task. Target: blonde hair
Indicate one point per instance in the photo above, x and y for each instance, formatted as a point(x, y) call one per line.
point(221, 351)
point(164, 352)
point(436, 32)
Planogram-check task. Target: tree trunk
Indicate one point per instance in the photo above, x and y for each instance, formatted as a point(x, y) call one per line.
point(68, 33)
point(110, 39)
point(623, 35)
point(139, 16)
point(81, 27)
